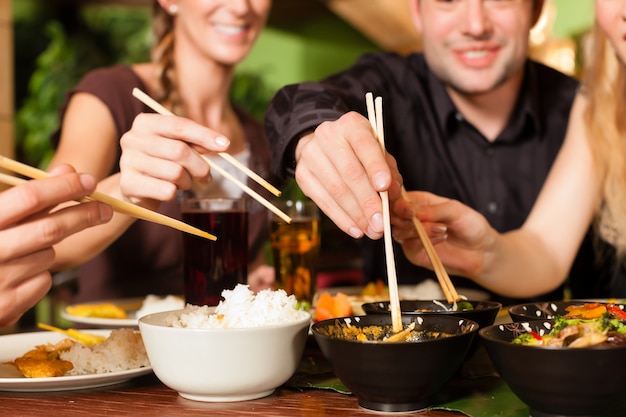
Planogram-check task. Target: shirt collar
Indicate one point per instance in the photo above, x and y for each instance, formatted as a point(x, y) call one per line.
point(524, 116)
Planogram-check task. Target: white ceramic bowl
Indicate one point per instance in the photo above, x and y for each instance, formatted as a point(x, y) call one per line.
point(222, 365)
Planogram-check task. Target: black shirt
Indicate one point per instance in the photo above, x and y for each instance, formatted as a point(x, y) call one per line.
point(437, 150)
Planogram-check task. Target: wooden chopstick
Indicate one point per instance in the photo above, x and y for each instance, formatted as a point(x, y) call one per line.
point(120, 206)
point(442, 275)
point(375, 116)
point(157, 107)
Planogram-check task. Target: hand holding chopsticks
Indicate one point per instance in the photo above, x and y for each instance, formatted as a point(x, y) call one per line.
point(157, 107)
point(375, 115)
point(120, 206)
point(440, 271)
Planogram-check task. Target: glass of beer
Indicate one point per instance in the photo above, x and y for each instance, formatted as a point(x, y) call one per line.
point(295, 248)
point(213, 266)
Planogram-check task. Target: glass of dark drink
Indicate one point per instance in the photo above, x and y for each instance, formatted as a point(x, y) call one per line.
point(213, 266)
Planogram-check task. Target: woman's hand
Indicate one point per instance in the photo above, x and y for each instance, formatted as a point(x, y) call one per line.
point(462, 236)
point(159, 156)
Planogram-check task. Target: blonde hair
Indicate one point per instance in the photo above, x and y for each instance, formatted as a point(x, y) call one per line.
point(163, 56)
point(605, 86)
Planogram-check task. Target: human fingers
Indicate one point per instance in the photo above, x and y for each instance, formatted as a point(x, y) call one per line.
point(404, 216)
point(320, 180)
point(41, 195)
point(315, 189)
point(468, 236)
point(158, 160)
point(38, 232)
point(370, 157)
point(25, 281)
point(182, 129)
point(336, 155)
point(174, 144)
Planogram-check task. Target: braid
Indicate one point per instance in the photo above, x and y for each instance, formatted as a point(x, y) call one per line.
point(163, 56)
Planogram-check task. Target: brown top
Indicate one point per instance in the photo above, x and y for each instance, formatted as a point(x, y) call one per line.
point(147, 258)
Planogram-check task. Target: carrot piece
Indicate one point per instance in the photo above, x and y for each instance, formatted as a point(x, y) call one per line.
point(324, 307)
point(586, 311)
point(329, 306)
point(342, 306)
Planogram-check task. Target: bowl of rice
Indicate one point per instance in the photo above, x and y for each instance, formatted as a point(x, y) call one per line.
point(242, 349)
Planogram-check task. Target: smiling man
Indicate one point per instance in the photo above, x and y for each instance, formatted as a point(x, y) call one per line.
point(469, 118)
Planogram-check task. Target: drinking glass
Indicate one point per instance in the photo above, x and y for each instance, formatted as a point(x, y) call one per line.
point(295, 248)
point(213, 266)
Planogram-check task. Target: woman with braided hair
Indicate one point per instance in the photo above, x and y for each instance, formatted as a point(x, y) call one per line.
point(197, 46)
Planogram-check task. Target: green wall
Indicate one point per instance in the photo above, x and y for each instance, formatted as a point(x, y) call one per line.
point(309, 52)
point(573, 17)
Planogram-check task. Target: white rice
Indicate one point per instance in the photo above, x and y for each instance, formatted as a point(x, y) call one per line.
point(155, 304)
point(122, 350)
point(241, 308)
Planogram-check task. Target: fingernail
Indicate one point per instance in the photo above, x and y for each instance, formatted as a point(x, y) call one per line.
point(106, 212)
point(355, 232)
point(439, 229)
point(222, 141)
point(380, 180)
point(377, 223)
point(88, 182)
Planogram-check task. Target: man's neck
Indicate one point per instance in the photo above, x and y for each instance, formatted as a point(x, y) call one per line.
point(489, 112)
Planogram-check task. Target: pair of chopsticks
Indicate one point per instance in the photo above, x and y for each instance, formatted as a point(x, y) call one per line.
point(157, 107)
point(374, 111)
point(375, 116)
point(119, 206)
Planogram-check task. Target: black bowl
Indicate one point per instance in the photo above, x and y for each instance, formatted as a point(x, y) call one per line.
point(398, 376)
point(559, 382)
point(545, 310)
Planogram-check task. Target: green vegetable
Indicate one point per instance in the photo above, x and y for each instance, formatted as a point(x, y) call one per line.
point(464, 305)
point(526, 339)
point(303, 305)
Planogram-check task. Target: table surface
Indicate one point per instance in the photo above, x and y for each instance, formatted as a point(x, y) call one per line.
point(147, 396)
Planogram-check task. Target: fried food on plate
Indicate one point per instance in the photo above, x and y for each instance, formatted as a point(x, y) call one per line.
point(44, 360)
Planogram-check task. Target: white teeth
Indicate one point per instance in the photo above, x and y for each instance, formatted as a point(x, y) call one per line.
point(229, 30)
point(475, 54)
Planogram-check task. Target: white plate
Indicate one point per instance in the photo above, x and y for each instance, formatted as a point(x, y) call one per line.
point(131, 321)
point(15, 345)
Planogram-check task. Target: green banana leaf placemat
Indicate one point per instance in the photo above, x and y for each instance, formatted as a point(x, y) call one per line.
point(487, 396)
point(480, 397)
